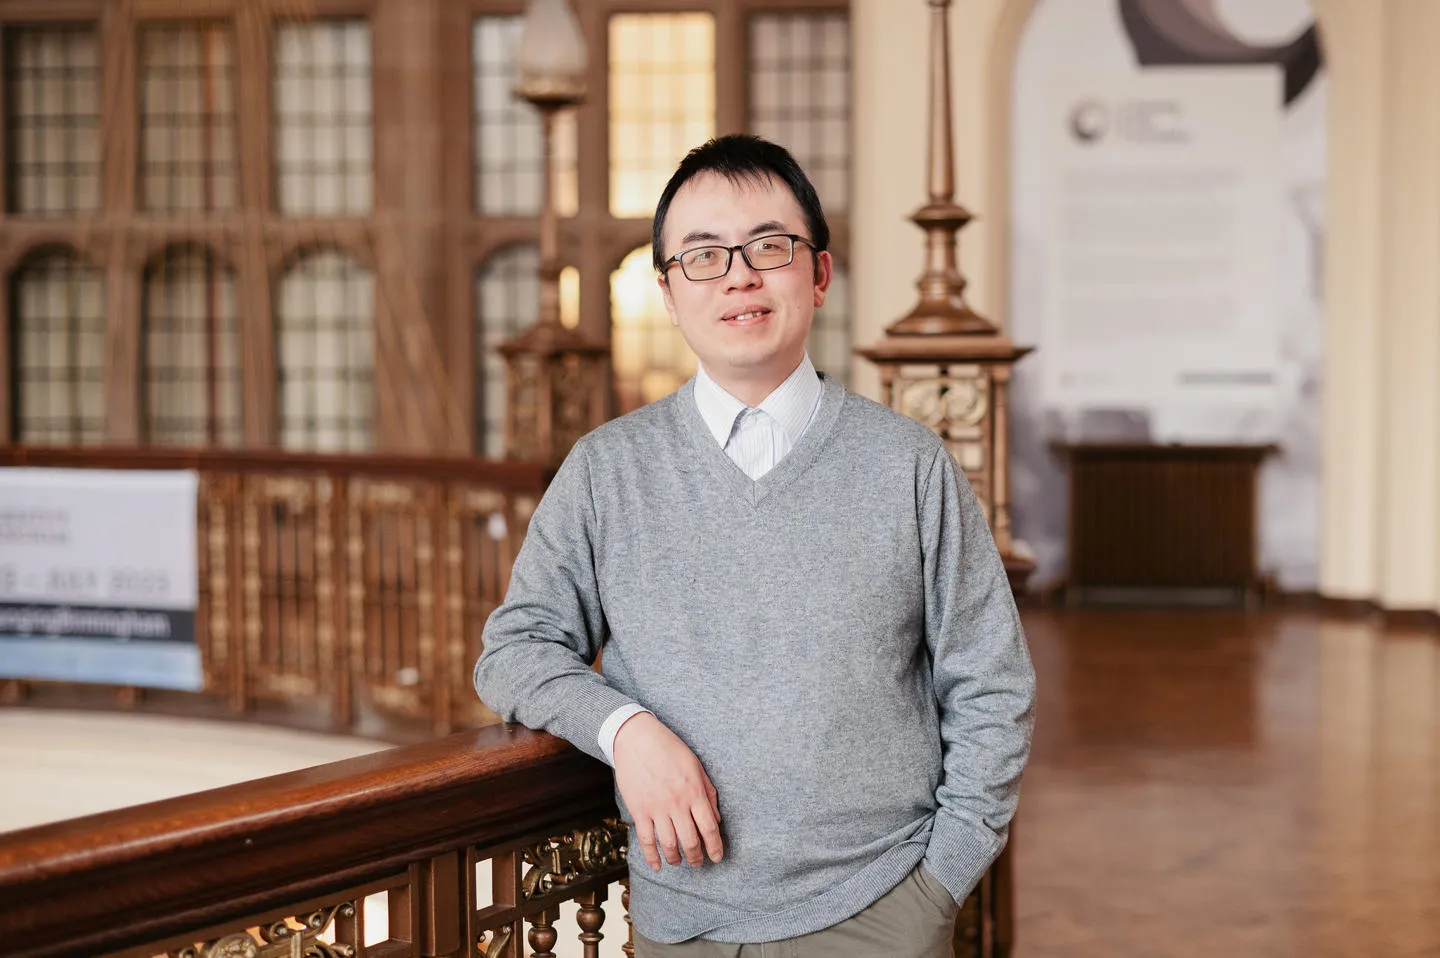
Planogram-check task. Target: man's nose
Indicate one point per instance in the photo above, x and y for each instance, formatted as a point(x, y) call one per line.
point(742, 275)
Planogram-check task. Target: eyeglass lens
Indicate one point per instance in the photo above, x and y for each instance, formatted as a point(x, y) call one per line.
point(711, 262)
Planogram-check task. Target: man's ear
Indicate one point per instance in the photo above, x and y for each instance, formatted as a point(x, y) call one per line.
point(824, 273)
point(664, 285)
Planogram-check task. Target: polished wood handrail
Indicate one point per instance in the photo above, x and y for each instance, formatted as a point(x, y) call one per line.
point(125, 877)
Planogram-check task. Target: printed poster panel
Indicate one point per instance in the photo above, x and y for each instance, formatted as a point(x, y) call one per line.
point(1164, 233)
point(98, 579)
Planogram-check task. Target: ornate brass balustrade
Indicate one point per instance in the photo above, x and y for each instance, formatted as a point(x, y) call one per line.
point(342, 592)
point(284, 865)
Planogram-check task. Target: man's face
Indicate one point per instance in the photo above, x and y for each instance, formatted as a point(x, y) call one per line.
point(749, 326)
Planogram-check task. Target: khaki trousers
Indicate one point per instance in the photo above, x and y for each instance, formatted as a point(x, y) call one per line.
point(915, 919)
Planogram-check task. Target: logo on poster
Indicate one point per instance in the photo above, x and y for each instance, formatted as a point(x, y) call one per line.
point(1135, 121)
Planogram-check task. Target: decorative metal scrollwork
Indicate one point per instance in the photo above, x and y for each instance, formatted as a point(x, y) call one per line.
point(966, 401)
point(279, 939)
point(498, 939)
point(922, 401)
point(561, 861)
point(239, 945)
point(945, 402)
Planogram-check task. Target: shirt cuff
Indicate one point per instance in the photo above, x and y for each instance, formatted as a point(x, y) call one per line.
point(611, 727)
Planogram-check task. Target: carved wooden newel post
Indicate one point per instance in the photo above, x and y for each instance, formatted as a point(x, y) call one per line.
point(556, 377)
point(943, 363)
point(948, 367)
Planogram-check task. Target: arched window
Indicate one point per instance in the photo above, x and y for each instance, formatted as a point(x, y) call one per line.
point(325, 350)
point(650, 357)
point(507, 291)
point(191, 370)
point(59, 320)
point(507, 302)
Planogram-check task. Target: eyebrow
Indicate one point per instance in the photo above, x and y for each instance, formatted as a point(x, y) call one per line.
point(705, 236)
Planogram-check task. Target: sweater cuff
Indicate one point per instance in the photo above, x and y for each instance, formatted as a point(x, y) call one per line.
point(960, 853)
point(586, 711)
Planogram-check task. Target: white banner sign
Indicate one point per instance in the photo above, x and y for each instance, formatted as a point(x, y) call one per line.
point(1162, 261)
point(98, 578)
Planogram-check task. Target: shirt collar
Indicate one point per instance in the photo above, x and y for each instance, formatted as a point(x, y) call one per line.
point(792, 403)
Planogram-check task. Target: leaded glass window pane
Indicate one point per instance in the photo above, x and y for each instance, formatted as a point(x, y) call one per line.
point(508, 142)
point(800, 95)
point(52, 76)
point(662, 101)
point(507, 302)
point(325, 348)
point(324, 140)
point(59, 315)
point(187, 118)
point(191, 355)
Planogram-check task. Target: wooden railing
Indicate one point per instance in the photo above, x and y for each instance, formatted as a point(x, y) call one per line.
point(449, 847)
point(338, 592)
point(346, 593)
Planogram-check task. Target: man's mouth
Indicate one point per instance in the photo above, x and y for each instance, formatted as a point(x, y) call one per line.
point(746, 317)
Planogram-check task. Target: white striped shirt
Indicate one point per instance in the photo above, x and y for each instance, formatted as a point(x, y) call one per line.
point(755, 439)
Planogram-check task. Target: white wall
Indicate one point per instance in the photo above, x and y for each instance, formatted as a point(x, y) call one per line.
point(1350, 464)
point(1409, 413)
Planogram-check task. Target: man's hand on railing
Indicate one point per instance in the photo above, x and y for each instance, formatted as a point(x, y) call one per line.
point(667, 792)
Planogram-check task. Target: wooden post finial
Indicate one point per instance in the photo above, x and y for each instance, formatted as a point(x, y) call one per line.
point(942, 309)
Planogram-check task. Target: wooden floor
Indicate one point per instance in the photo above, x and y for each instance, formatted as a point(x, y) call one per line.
point(1203, 784)
point(1215, 783)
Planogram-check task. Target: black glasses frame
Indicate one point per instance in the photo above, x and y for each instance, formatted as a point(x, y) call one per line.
point(730, 252)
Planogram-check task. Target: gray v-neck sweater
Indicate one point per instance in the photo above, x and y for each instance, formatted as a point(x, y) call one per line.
point(835, 641)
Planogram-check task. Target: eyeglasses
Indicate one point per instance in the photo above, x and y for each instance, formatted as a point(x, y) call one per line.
point(713, 262)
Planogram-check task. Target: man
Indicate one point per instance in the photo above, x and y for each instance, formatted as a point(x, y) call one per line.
point(814, 675)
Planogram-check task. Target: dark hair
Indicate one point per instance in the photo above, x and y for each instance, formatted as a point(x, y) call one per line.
point(741, 156)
